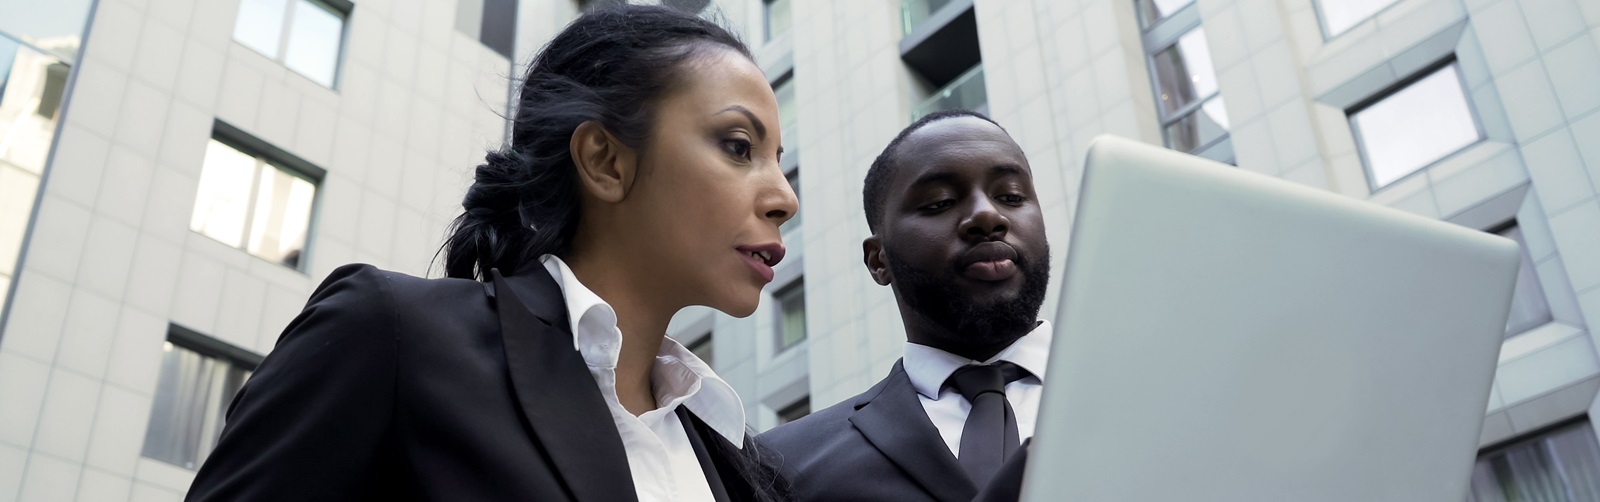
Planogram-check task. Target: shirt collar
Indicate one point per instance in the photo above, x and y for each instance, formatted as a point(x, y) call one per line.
point(928, 367)
point(680, 377)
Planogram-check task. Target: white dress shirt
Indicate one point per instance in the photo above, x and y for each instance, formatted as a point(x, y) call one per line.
point(929, 367)
point(660, 458)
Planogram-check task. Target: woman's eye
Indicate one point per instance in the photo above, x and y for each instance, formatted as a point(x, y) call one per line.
point(738, 148)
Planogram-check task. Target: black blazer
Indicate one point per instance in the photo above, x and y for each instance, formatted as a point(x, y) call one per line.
point(391, 387)
point(879, 445)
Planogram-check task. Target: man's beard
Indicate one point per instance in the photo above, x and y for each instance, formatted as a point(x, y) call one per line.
point(975, 321)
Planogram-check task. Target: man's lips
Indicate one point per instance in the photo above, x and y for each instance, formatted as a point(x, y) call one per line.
point(988, 262)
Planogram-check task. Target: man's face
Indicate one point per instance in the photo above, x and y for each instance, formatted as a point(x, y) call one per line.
point(962, 239)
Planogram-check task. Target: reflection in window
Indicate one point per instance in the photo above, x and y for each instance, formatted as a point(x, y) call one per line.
point(1339, 16)
point(788, 114)
point(1151, 11)
point(791, 314)
point(778, 17)
point(30, 95)
point(702, 349)
point(305, 35)
point(1560, 466)
point(797, 410)
point(1415, 126)
point(1529, 309)
point(1193, 115)
point(249, 203)
point(55, 26)
point(192, 397)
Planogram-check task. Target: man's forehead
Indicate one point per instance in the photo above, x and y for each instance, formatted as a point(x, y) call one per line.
point(961, 145)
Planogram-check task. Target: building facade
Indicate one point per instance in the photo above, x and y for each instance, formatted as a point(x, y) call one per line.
point(176, 176)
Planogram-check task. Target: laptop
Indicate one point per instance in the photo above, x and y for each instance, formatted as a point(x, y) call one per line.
point(1228, 336)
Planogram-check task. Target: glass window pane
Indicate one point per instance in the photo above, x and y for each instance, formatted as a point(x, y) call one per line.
point(180, 407)
point(1151, 11)
point(788, 114)
point(1199, 128)
point(1529, 309)
point(792, 320)
point(1340, 15)
point(53, 25)
point(795, 411)
point(282, 214)
point(794, 184)
point(778, 18)
point(1560, 466)
point(1184, 73)
point(1415, 127)
point(314, 38)
point(223, 198)
point(260, 25)
point(30, 83)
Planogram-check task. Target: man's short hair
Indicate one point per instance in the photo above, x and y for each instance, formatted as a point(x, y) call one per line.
point(883, 168)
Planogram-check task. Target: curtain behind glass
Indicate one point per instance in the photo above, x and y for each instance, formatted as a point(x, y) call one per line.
point(1563, 466)
point(192, 397)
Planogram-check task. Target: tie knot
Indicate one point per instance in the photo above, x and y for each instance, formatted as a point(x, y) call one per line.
point(974, 379)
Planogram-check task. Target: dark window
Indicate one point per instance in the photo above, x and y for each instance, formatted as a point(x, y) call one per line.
point(1559, 465)
point(795, 411)
point(791, 314)
point(199, 376)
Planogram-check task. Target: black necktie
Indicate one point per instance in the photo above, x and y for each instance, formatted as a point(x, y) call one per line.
point(990, 434)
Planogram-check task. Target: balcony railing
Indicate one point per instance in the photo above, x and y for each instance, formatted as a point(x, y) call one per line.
point(965, 92)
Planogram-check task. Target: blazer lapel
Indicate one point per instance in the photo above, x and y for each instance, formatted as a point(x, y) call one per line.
point(894, 421)
point(559, 398)
point(697, 439)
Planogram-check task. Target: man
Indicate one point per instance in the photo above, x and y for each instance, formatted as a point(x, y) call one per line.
point(957, 233)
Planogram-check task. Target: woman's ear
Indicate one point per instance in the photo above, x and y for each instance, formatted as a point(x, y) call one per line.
point(606, 166)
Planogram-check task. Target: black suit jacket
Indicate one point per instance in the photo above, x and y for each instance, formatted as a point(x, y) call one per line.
point(879, 445)
point(391, 387)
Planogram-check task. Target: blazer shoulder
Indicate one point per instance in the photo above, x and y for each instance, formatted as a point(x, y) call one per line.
point(821, 425)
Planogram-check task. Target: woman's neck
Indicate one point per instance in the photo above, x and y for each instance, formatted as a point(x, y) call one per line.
point(641, 317)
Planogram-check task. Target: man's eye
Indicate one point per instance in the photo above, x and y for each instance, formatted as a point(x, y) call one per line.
point(1012, 198)
point(938, 205)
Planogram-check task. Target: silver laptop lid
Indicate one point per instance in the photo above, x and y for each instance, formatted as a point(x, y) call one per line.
point(1224, 335)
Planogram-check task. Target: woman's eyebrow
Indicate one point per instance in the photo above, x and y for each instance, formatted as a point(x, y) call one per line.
point(761, 129)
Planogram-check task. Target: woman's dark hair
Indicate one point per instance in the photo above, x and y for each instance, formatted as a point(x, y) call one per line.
point(609, 66)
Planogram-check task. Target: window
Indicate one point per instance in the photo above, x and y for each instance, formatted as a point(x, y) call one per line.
point(1151, 11)
point(1421, 122)
point(1529, 309)
point(1338, 16)
point(255, 204)
point(791, 314)
point(797, 410)
point(793, 225)
point(1560, 465)
point(788, 114)
point(306, 35)
point(492, 22)
point(199, 376)
point(966, 92)
point(777, 17)
point(702, 349)
point(1193, 117)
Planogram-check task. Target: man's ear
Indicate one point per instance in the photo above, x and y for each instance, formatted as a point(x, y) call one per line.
point(877, 263)
point(606, 166)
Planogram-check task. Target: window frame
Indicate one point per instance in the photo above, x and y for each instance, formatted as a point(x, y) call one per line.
point(804, 402)
point(796, 285)
point(270, 156)
point(235, 358)
point(1401, 85)
point(1528, 263)
point(341, 8)
point(1158, 37)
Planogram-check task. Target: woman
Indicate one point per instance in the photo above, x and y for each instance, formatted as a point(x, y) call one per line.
point(642, 177)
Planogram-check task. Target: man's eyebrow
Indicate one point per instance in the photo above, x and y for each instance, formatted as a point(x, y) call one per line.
point(761, 129)
point(932, 177)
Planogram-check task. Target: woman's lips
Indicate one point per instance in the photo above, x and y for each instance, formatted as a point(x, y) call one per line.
point(759, 266)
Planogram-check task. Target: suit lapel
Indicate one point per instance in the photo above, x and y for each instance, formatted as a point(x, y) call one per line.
point(559, 398)
point(697, 439)
point(894, 421)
